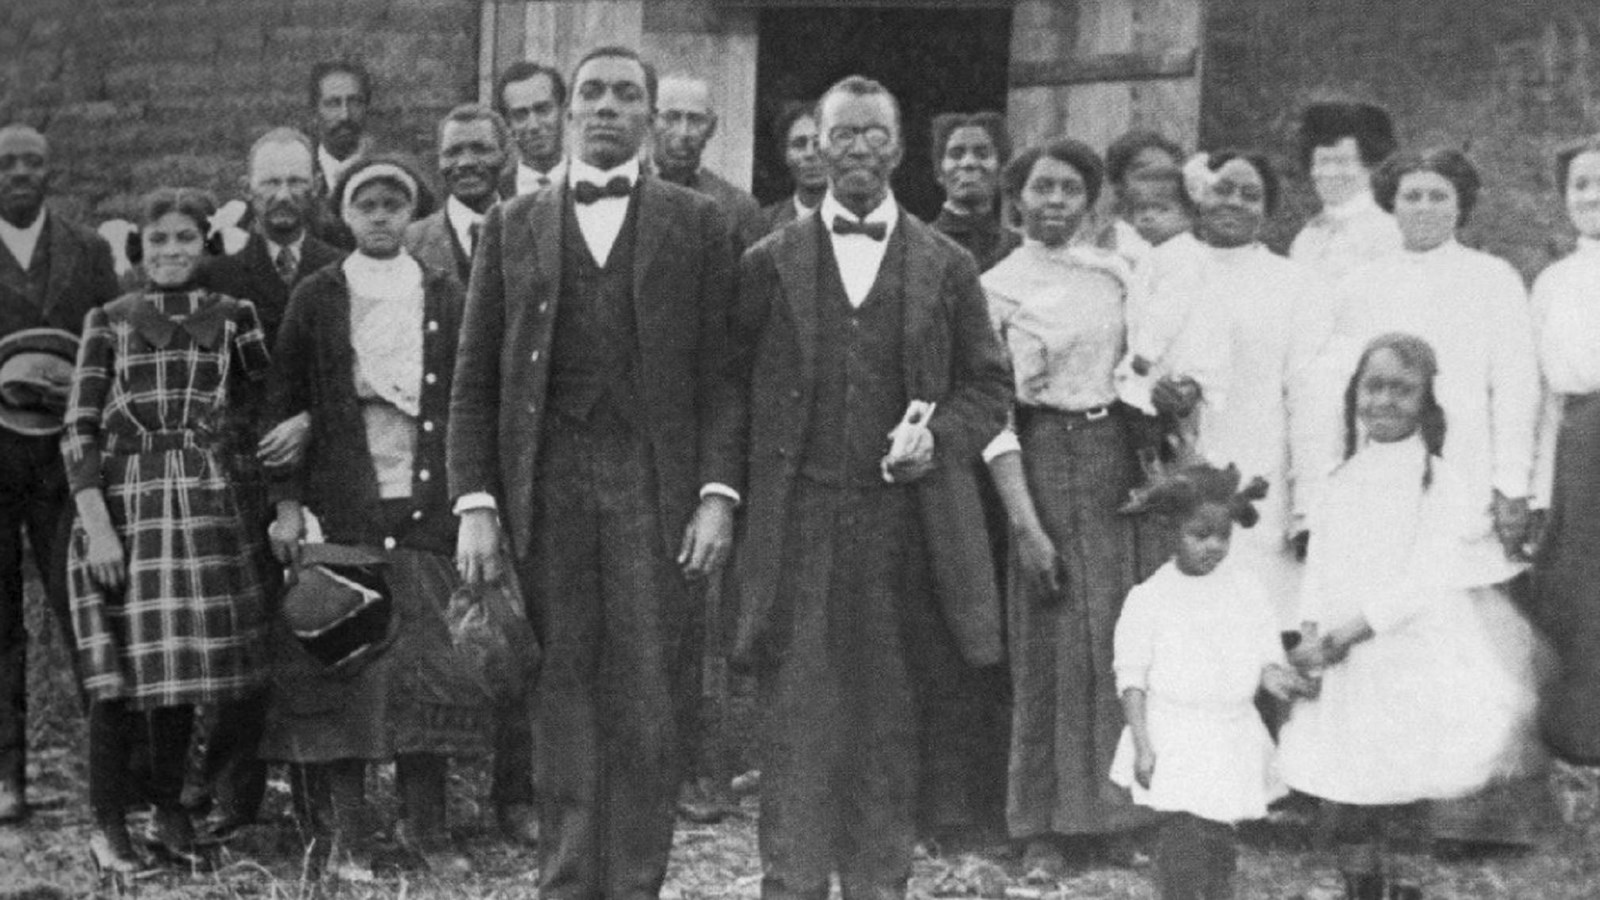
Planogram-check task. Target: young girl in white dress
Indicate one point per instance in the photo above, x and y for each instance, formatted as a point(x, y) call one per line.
point(1193, 645)
point(1414, 703)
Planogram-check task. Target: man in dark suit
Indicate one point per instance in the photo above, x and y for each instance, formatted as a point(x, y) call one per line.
point(279, 253)
point(595, 409)
point(796, 136)
point(473, 147)
point(52, 272)
point(684, 123)
point(854, 320)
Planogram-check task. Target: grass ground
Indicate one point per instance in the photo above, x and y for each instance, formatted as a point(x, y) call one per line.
point(46, 858)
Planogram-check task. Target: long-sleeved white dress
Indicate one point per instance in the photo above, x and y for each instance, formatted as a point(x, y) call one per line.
point(1339, 240)
point(1428, 708)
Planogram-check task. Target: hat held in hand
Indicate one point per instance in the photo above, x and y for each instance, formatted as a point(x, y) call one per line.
point(339, 607)
point(35, 379)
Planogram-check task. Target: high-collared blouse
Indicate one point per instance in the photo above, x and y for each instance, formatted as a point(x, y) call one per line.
point(1474, 311)
point(1061, 315)
point(386, 333)
point(1566, 308)
point(1340, 239)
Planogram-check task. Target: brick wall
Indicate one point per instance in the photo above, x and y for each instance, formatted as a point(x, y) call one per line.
point(1505, 79)
point(139, 93)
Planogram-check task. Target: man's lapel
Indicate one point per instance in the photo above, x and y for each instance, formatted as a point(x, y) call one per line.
point(797, 275)
point(545, 218)
point(921, 298)
point(650, 228)
point(65, 257)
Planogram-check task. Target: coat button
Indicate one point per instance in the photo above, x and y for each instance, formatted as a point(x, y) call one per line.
point(433, 325)
point(533, 407)
point(389, 543)
point(794, 394)
point(424, 475)
point(430, 378)
point(427, 425)
point(545, 306)
point(534, 357)
point(416, 515)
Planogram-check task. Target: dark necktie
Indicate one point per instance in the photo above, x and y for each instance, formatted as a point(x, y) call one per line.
point(473, 230)
point(586, 193)
point(285, 264)
point(874, 230)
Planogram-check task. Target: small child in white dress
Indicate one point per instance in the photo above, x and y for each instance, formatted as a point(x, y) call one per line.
point(1414, 701)
point(1193, 645)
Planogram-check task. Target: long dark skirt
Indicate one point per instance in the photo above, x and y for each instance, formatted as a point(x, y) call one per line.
point(415, 698)
point(1066, 718)
point(1567, 585)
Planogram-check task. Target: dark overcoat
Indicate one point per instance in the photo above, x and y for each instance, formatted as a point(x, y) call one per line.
point(951, 357)
point(690, 391)
point(434, 243)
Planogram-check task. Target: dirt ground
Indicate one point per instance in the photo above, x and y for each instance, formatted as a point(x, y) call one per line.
point(47, 858)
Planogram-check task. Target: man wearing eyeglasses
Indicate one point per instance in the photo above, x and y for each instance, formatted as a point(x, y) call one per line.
point(596, 414)
point(684, 123)
point(875, 380)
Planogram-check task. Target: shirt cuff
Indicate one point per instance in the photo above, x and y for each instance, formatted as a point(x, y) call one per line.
point(1003, 443)
point(718, 489)
point(474, 500)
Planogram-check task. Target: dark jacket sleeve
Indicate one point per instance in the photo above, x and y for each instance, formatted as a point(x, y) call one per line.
point(722, 410)
point(103, 286)
point(473, 448)
point(292, 377)
point(981, 389)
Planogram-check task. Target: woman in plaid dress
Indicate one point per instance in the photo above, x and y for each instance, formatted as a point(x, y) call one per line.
point(165, 603)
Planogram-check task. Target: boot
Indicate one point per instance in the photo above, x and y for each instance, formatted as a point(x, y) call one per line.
point(421, 829)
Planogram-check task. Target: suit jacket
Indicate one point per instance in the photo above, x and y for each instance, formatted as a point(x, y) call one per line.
point(951, 357)
point(82, 276)
point(434, 243)
point(740, 207)
point(776, 215)
point(252, 274)
point(682, 291)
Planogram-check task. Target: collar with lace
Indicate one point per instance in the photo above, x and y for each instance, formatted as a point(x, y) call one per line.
point(1444, 249)
point(1588, 245)
point(1361, 203)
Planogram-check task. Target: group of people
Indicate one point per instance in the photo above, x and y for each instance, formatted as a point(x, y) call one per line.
point(976, 481)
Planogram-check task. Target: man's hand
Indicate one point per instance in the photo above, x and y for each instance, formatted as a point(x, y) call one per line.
point(478, 547)
point(1144, 765)
point(709, 537)
point(285, 444)
point(1286, 683)
point(1176, 396)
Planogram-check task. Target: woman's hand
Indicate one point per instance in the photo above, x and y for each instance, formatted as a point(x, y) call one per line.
point(1286, 684)
point(1144, 764)
point(286, 533)
point(285, 444)
point(104, 557)
point(1040, 564)
point(1175, 395)
point(1511, 524)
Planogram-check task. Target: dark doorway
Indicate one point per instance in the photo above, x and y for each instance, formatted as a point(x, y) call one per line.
point(934, 60)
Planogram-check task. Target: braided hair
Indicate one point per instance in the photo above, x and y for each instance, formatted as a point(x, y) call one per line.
point(1417, 355)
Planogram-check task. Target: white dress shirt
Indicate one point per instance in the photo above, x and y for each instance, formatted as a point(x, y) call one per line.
point(461, 218)
point(1566, 308)
point(859, 257)
point(601, 221)
point(332, 168)
point(530, 179)
point(22, 241)
point(295, 250)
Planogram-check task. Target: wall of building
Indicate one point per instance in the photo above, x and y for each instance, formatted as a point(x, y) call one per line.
point(138, 93)
point(1505, 81)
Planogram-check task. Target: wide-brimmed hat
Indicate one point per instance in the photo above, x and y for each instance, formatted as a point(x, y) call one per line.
point(35, 379)
point(339, 606)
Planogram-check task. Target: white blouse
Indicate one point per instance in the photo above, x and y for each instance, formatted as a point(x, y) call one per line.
point(386, 298)
point(1566, 309)
point(1473, 309)
point(1340, 239)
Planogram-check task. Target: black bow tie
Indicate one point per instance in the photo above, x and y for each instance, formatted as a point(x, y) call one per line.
point(586, 193)
point(875, 230)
